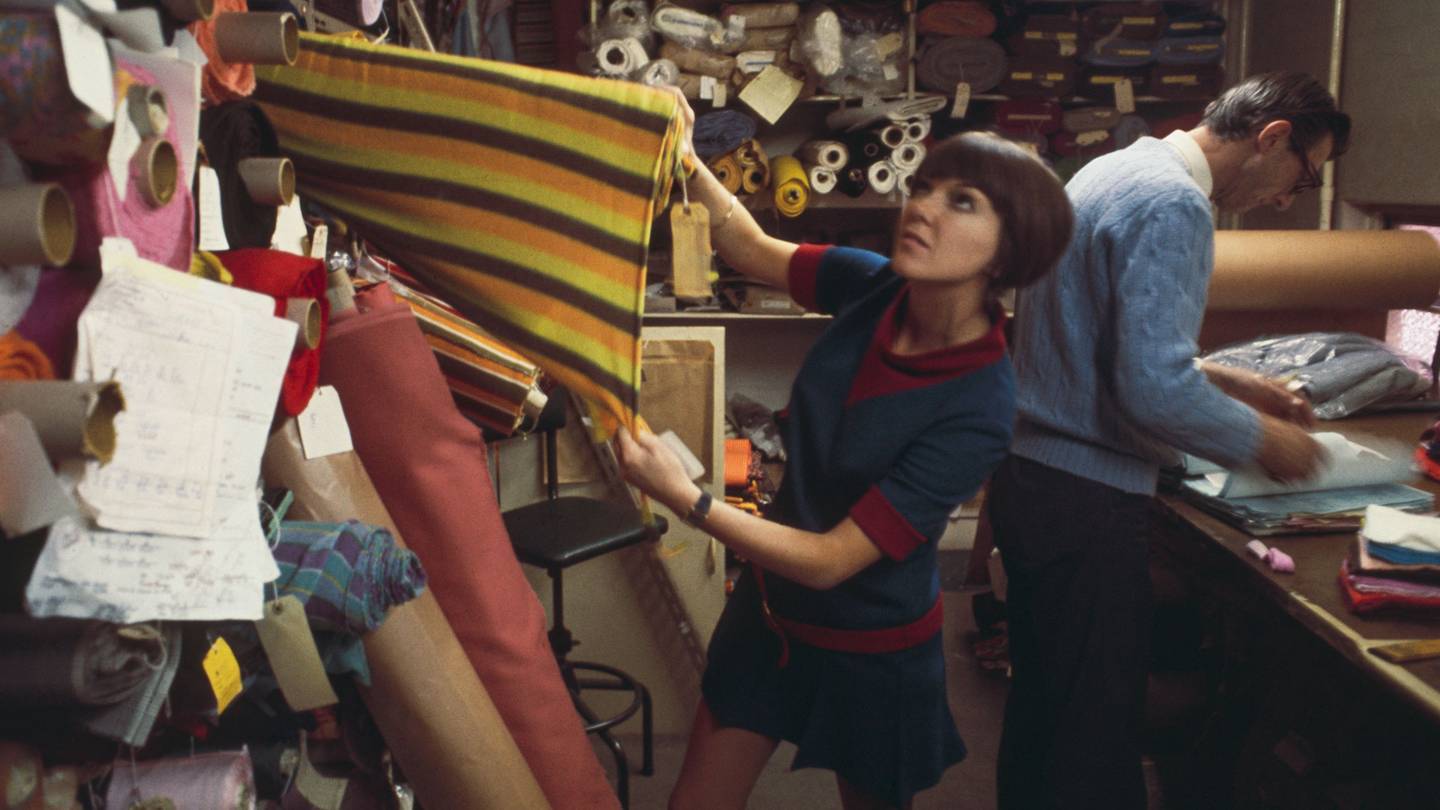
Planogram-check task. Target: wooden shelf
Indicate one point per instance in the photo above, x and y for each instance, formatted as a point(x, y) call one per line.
point(691, 316)
point(834, 201)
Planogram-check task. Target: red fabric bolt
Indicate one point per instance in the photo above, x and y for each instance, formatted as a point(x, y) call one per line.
point(283, 275)
point(428, 465)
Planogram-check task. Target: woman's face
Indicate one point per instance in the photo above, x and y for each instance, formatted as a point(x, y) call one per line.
point(948, 231)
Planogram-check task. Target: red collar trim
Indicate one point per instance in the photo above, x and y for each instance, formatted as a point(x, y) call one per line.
point(949, 361)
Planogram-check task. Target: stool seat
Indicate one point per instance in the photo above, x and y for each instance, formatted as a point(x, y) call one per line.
point(565, 531)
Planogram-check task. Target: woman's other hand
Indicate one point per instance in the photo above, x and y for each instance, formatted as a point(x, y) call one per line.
point(651, 466)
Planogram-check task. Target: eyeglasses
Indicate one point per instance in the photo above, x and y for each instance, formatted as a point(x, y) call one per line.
point(1310, 176)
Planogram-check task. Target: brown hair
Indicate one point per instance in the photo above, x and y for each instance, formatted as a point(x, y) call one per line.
point(1035, 214)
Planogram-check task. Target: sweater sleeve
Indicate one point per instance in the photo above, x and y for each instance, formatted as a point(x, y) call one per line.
point(1162, 262)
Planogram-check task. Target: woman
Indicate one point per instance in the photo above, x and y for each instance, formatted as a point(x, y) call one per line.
point(899, 413)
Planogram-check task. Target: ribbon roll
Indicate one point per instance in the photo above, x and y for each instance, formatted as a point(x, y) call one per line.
point(832, 155)
point(659, 73)
point(763, 15)
point(722, 132)
point(692, 60)
point(258, 38)
point(822, 180)
point(880, 176)
point(621, 57)
point(727, 170)
point(754, 178)
point(268, 181)
point(892, 135)
point(908, 156)
point(157, 170)
point(38, 226)
point(147, 110)
point(852, 181)
point(917, 129)
point(792, 188)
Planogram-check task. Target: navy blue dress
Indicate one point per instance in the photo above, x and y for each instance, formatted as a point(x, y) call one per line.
point(895, 442)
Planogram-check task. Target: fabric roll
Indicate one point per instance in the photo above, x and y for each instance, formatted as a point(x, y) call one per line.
point(1129, 129)
point(524, 197)
point(880, 176)
point(284, 276)
point(831, 154)
point(72, 662)
point(1029, 116)
point(751, 153)
point(908, 156)
point(754, 178)
point(131, 720)
point(60, 296)
point(792, 186)
point(1120, 53)
point(1082, 144)
point(1045, 78)
point(694, 60)
point(348, 575)
point(430, 469)
point(944, 63)
point(222, 81)
point(762, 15)
point(621, 57)
point(853, 118)
point(683, 25)
point(162, 234)
point(1086, 119)
point(231, 133)
point(956, 18)
point(1029, 137)
point(821, 179)
point(1195, 24)
point(917, 129)
point(658, 73)
point(891, 135)
point(819, 39)
point(1046, 36)
point(1127, 20)
point(21, 359)
point(722, 131)
point(38, 114)
point(1183, 82)
point(1098, 83)
point(358, 13)
point(221, 780)
point(905, 181)
point(727, 170)
point(438, 719)
point(865, 147)
point(1190, 51)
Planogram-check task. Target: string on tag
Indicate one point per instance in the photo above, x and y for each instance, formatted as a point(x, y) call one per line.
point(685, 193)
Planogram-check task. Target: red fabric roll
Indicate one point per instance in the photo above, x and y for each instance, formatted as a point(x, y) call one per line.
point(282, 275)
point(428, 464)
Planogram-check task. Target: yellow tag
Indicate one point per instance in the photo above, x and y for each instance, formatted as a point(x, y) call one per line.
point(1067, 47)
point(1034, 34)
point(1022, 75)
point(1125, 96)
point(962, 100)
point(690, 250)
point(1202, 47)
point(1054, 77)
point(224, 673)
point(1133, 52)
point(1137, 20)
point(888, 44)
point(1066, 35)
point(1188, 80)
point(1186, 26)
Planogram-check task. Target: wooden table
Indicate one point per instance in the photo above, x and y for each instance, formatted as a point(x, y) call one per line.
point(1312, 594)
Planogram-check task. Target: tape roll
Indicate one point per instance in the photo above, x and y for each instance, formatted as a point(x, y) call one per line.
point(908, 156)
point(157, 170)
point(917, 129)
point(265, 38)
point(891, 135)
point(880, 176)
point(38, 226)
point(830, 154)
point(268, 180)
point(792, 187)
point(822, 180)
point(727, 170)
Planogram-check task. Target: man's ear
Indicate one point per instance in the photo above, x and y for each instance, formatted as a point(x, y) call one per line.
point(1273, 134)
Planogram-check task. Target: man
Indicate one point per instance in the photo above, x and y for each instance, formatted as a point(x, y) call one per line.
point(1104, 352)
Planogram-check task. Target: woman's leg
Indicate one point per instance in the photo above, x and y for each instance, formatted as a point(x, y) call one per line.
point(721, 765)
point(852, 798)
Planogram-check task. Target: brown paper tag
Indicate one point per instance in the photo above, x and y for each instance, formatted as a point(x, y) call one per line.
point(1125, 96)
point(690, 250)
point(290, 646)
point(962, 100)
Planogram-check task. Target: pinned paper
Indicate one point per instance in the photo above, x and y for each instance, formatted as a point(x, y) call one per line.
point(223, 673)
point(84, 48)
point(290, 232)
point(323, 429)
point(771, 93)
point(212, 215)
point(1125, 96)
point(962, 100)
point(123, 143)
point(290, 645)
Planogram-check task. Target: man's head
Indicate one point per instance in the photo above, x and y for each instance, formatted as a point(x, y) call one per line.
point(1277, 130)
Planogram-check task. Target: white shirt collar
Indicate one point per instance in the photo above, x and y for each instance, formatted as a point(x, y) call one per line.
point(1194, 157)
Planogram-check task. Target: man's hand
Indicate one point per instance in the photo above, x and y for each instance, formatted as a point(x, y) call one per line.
point(1288, 453)
point(1270, 397)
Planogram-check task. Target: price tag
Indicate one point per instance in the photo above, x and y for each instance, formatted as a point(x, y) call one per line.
point(319, 241)
point(721, 95)
point(323, 429)
point(223, 672)
point(1125, 96)
point(707, 87)
point(212, 217)
point(962, 100)
point(690, 250)
point(290, 646)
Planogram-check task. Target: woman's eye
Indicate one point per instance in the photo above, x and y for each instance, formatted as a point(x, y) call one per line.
point(962, 201)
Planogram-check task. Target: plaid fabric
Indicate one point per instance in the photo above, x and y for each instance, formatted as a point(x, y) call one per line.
point(523, 196)
point(348, 575)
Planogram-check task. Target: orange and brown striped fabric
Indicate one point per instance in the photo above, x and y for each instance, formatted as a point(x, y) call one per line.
point(523, 196)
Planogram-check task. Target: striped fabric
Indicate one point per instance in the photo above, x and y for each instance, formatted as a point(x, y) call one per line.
point(523, 196)
point(492, 385)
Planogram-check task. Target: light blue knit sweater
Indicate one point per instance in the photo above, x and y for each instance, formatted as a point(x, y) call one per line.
point(1104, 345)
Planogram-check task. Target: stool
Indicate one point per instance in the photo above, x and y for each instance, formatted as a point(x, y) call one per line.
point(557, 533)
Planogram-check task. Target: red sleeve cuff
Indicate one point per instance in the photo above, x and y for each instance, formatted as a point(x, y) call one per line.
point(885, 526)
point(804, 270)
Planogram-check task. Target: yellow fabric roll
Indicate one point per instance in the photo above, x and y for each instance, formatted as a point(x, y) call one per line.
point(753, 178)
point(792, 189)
point(727, 170)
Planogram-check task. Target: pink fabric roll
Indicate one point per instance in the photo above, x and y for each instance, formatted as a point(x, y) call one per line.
point(428, 464)
point(223, 780)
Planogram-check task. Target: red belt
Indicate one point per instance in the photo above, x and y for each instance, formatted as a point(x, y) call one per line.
point(882, 640)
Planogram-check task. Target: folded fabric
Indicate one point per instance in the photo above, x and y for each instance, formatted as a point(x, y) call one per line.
point(721, 131)
point(1195, 24)
point(348, 575)
point(1363, 602)
point(1019, 115)
point(1039, 78)
point(1046, 35)
point(1387, 527)
point(131, 720)
point(1128, 20)
point(1089, 119)
point(525, 197)
point(284, 276)
point(73, 662)
point(21, 359)
point(1098, 83)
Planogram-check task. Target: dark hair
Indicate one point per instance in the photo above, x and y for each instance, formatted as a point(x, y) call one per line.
point(1035, 214)
point(1247, 107)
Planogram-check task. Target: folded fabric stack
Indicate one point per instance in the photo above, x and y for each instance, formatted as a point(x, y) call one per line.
point(1395, 563)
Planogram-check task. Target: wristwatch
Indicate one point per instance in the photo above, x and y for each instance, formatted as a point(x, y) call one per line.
point(699, 511)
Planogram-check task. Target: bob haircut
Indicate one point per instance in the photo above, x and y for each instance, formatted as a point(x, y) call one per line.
point(1035, 214)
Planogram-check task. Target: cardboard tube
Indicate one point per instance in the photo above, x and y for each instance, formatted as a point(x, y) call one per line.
point(434, 713)
point(38, 226)
point(159, 170)
point(1267, 270)
point(73, 418)
point(264, 38)
point(268, 181)
point(147, 109)
point(340, 290)
point(828, 153)
point(190, 10)
point(305, 313)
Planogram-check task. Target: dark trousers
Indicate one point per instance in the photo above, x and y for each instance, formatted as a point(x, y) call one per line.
point(1078, 606)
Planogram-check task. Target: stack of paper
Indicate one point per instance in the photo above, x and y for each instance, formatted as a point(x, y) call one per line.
point(1353, 477)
